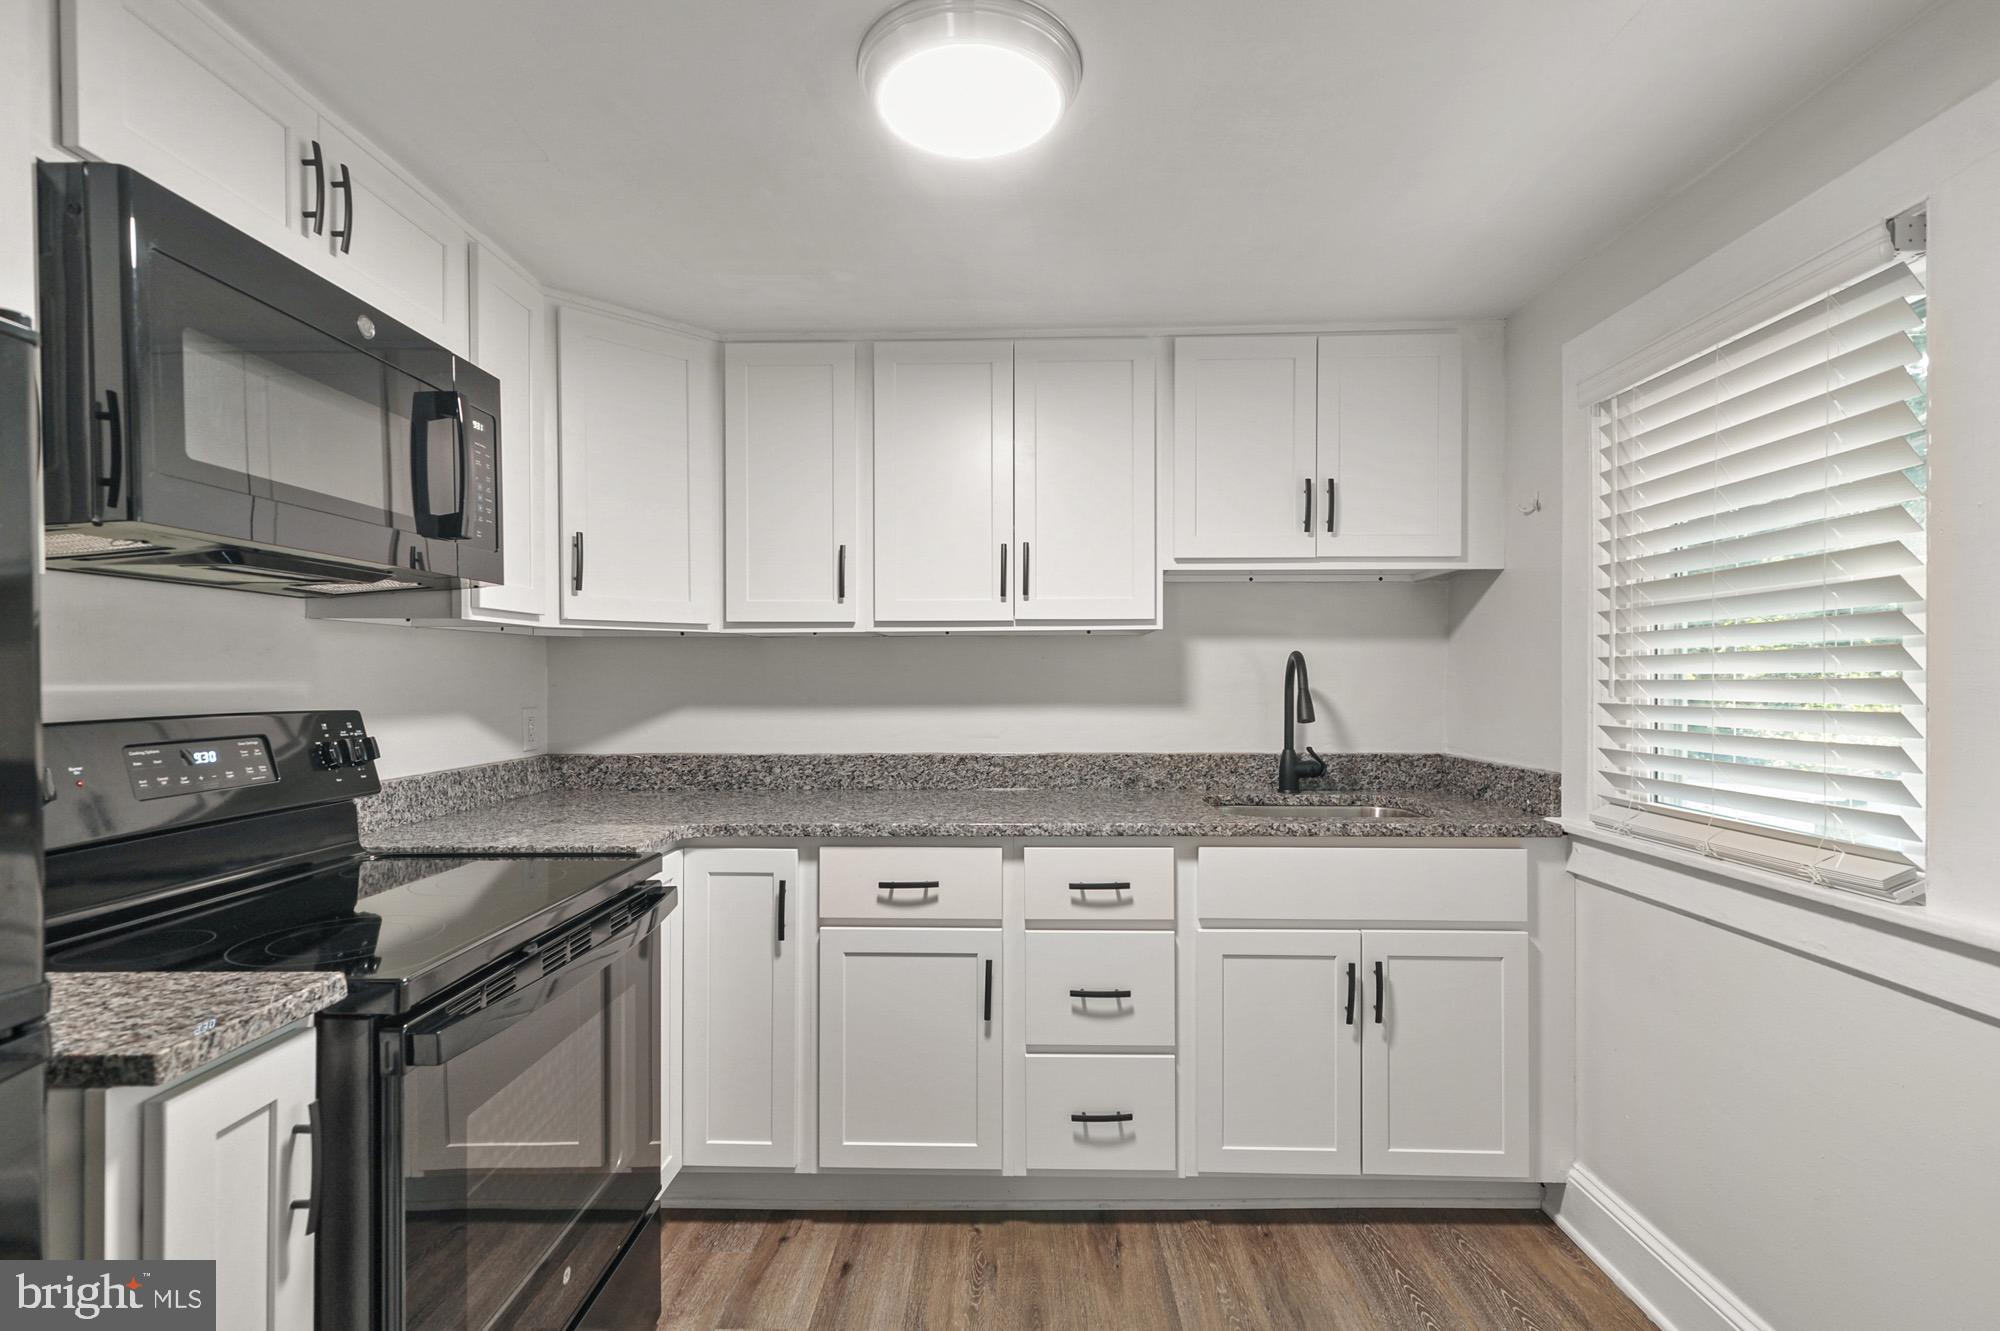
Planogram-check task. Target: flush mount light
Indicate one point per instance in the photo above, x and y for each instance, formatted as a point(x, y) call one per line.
point(970, 78)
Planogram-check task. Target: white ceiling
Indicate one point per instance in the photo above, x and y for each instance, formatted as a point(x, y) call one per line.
point(1227, 161)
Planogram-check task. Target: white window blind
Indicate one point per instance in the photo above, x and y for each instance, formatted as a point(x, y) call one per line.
point(1760, 594)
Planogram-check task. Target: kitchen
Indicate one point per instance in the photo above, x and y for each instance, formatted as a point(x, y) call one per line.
point(865, 752)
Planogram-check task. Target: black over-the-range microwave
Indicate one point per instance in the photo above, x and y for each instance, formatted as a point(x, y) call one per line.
point(216, 413)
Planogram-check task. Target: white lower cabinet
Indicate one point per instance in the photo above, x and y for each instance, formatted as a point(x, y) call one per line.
point(1100, 1111)
point(1445, 1065)
point(1386, 1052)
point(1278, 1044)
point(224, 1161)
point(740, 1027)
point(910, 1050)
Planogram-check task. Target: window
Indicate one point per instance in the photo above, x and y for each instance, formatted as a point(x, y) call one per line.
point(1760, 594)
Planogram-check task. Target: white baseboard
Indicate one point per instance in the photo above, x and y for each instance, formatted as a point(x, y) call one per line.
point(858, 1191)
point(1668, 1285)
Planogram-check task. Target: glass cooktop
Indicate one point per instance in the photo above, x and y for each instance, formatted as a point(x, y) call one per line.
point(414, 923)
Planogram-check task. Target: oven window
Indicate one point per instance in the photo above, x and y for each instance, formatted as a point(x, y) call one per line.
point(248, 398)
point(526, 1159)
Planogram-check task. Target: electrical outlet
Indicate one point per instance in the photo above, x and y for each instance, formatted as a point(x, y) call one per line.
point(531, 730)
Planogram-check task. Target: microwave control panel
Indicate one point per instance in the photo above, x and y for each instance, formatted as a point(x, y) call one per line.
point(482, 485)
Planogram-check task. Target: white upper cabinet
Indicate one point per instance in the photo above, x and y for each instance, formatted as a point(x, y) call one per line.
point(791, 552)
point(1246, 468)
point(1083, 481)
point(1446, 1061)
point(1391, 445)
point(640, 453)
point(163, 88)
point(508, 321)
point(387, 243)
point(1352, 450)
point(944, 482)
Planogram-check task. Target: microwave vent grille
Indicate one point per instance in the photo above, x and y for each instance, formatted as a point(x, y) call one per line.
point(76, 544)
point(357, 588)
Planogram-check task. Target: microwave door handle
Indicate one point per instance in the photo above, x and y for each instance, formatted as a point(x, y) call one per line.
point(426, 409)
point(433, 1042)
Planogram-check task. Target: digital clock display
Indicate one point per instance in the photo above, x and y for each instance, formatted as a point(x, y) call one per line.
point(158, 770)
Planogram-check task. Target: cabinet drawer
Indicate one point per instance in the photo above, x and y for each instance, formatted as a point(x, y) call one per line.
point(1062, 1086)
point(1127, 981)
point(910, 884)
point(1080, 886)
point(1361, 886)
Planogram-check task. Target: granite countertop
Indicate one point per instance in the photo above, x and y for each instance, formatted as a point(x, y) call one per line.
point(567, 821)
point(146, 1029)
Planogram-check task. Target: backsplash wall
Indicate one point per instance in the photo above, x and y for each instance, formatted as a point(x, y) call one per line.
point(1207, 682)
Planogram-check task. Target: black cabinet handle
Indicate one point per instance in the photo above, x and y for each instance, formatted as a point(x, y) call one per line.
point(310, 1131)
point(1100, 887)
point(840, 575)
point(989, 991)
point(575, 563)
point(781, 910)
point(113, 479)
point(1351, 987)
point(1308, 528)
point(1118, 1116)
point(1003, 571)
point(317, 213)
point(1100, 993)
point(1380, 986)
point(1024, 570)
point(345, 235)
point(912, 886)
point(1329, 506)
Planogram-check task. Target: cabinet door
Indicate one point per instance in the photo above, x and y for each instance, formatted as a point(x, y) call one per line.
point(161, 87)
point(1392, 441)
point(788, 414)
point(1083, 480)
point(909, 1054)
point(223, 1169)
point(1245, 461)
point(389, 244)
point(639, 454)
point(944, 482)
point(1445, 1062)
point(1278, 1051)
point(508, 317)
point(740, 1022)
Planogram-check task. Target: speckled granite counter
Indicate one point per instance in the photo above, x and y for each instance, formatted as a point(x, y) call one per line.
point(643, 822)
point(130, 1029)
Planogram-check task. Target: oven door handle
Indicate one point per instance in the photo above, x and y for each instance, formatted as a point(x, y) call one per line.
point(435, 1040)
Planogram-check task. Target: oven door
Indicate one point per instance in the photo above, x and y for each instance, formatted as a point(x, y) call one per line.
point(526, 1159)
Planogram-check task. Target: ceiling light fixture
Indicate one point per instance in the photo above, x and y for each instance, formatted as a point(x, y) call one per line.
point(970, 78)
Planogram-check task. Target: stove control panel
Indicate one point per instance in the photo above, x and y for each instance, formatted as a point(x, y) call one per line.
point(106, 780)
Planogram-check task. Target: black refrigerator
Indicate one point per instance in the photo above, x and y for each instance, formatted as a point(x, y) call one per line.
point(24, 995)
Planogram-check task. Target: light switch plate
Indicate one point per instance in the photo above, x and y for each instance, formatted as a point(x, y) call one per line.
point(533, 738)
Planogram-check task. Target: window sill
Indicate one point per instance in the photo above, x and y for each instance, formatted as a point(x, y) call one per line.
point(1912, 920)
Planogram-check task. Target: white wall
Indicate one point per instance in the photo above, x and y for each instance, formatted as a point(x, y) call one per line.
point(1505, 632)
point(117, 648)
point(1819, 1143)
point(1209, 681)
point(434, 697)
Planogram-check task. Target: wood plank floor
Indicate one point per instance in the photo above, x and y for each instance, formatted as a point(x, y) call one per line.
point(1132, 1271)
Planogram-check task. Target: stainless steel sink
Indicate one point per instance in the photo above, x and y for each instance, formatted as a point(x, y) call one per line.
point(1332, 813)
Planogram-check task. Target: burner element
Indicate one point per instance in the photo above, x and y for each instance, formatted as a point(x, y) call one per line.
point(156, 949)
point(322, 943)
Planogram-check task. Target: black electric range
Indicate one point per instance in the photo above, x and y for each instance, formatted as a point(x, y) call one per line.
point(486, 1133)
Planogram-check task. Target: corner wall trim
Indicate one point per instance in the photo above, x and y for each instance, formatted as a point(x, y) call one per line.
point(1668, 1285)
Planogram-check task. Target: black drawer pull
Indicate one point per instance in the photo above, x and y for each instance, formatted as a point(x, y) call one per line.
point(907, 887)
point(1100, 993)
point(1100, 887)
point(1119, 1116)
